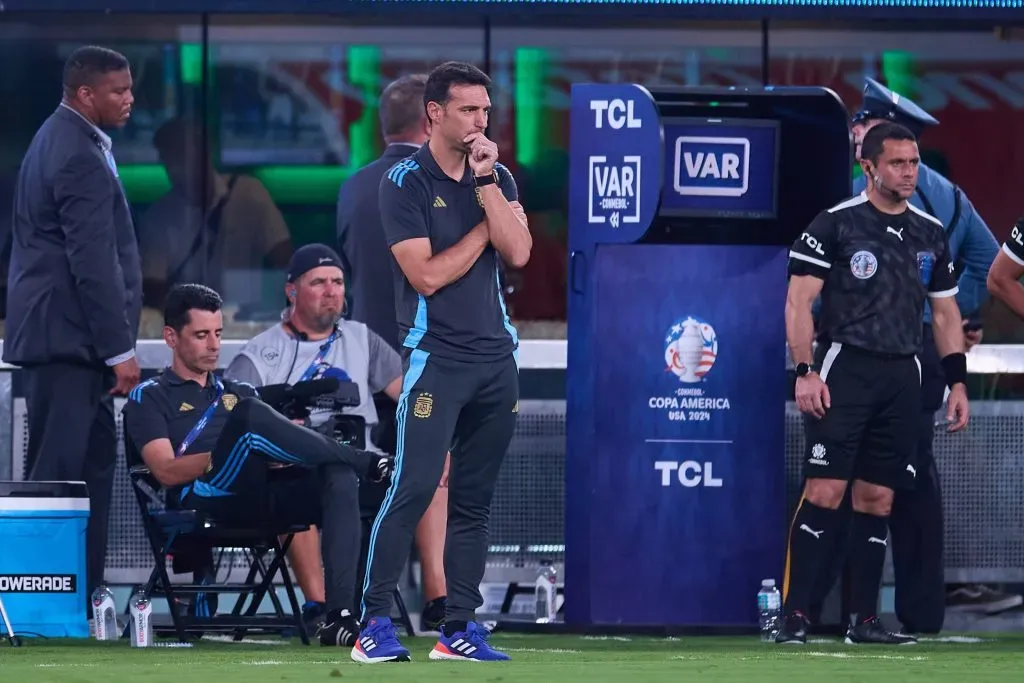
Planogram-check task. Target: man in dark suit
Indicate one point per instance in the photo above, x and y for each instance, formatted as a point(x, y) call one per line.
point(404, 124)
point(368, 264)
point(74, 288)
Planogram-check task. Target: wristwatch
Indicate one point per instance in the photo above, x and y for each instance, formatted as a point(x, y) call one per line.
point(488, 179)
point(803, 369)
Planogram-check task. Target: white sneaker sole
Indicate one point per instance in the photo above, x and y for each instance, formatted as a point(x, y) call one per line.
point(362, 658)
point(848, 641)
point(439, 656)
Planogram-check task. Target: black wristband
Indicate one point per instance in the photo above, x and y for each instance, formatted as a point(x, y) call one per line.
point(955, 368)
point(488, 179)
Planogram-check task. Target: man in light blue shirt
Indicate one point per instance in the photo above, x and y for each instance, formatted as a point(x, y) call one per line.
point(916, 520)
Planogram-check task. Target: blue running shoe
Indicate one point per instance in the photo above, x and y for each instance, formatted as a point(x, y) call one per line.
point(469, 645)
point(378, 642)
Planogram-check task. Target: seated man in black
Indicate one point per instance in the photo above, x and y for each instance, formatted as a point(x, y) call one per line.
point(217, 448)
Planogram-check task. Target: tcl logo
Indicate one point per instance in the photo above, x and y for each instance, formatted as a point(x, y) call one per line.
point(689, 473)
point(1016, 235)
point(812, 242)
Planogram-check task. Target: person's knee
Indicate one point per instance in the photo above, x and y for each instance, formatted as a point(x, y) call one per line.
point(340, 479)
point(825, 493)
point(248, 409)
point(872, 499)
point(469, 504)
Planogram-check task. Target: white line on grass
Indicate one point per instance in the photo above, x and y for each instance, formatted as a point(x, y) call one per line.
point(847, 655)
point(621, 639)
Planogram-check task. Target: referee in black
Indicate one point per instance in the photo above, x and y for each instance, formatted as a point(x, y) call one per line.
point(219, 449)
point(449, 214)
point(874, 259)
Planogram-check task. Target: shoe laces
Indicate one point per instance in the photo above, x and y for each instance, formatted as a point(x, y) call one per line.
point(385, 633)
point(478, 635)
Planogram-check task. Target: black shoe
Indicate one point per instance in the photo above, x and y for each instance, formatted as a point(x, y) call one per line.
point(872, 632)
point(381, 467)
point(313, 616)
point(433, 614)
point(340, 628)
point(793, 631)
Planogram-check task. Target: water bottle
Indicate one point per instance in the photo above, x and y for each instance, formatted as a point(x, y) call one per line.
point(544, 593)
point(104, 614)
point(142, 619)
point(769, 607)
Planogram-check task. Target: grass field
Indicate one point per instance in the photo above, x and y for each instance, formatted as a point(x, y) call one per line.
point(560, 659)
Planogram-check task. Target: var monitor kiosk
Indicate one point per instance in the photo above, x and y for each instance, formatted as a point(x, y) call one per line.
point(683, 204)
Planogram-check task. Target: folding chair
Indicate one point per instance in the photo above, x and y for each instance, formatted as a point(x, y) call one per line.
point(167, 527)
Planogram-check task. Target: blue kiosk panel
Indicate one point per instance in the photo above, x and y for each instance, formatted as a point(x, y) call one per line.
point(676, 382)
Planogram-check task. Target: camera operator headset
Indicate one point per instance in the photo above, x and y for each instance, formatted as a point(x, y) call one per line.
point(314, 342)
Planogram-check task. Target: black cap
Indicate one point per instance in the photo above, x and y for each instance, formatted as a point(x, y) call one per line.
point(882, 103)
point(311, 256)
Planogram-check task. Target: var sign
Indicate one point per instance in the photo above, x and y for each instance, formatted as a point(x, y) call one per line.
point(614, 196)
point(712, 167)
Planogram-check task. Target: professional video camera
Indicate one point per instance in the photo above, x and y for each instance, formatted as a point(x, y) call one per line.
point(328, 395)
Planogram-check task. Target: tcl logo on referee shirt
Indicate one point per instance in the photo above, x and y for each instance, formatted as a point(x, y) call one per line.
point(38, 583)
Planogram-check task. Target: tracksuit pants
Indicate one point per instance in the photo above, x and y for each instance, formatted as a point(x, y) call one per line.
point(469, 408)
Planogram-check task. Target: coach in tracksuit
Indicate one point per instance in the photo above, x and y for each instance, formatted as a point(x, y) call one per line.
point(916, 523)
point(449, 213)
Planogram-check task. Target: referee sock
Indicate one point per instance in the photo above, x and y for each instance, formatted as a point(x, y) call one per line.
point(810, 539)
point(867, 557)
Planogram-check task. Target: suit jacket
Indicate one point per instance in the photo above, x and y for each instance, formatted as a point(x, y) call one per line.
point(368, 260)
point(74, 290)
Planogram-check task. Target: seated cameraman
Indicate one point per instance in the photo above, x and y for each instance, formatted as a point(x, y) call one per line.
point(314, 341)
point(217, 448)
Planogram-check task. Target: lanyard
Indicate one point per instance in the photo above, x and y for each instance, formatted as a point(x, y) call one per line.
point(325, 348)
point(201, 425)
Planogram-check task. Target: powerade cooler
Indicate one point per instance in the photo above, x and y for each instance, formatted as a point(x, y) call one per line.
point(42, 557)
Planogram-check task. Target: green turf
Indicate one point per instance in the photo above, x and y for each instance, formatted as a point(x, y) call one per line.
point(559, 659)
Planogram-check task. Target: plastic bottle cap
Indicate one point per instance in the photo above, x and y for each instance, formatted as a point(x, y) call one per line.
point(768, 583)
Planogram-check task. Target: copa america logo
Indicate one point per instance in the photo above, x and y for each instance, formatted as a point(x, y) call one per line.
point(691, 348)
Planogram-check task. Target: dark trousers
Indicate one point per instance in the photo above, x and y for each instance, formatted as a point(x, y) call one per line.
point(321, 488)
point(915, 524)
point(72, 437)
point(471, 409)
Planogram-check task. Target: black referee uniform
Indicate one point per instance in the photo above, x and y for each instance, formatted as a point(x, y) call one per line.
point(460, 389)
point(877, 269)
point(245, 437)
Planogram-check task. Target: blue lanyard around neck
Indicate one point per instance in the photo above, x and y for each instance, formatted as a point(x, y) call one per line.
point(201, 425)
point(325, 349)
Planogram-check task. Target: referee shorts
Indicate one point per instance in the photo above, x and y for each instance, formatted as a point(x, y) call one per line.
point(871, 430)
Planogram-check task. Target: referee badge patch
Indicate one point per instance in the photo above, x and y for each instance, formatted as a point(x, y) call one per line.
point(229, 401)
point(925, 265)
point(423, 406)
point(863, 265)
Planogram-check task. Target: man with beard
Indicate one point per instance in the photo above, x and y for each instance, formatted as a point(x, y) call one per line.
point(313, 341)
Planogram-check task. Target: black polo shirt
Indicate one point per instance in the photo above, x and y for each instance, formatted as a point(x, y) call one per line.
point(878, 268)
point(466, 320)
point(167, 407)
